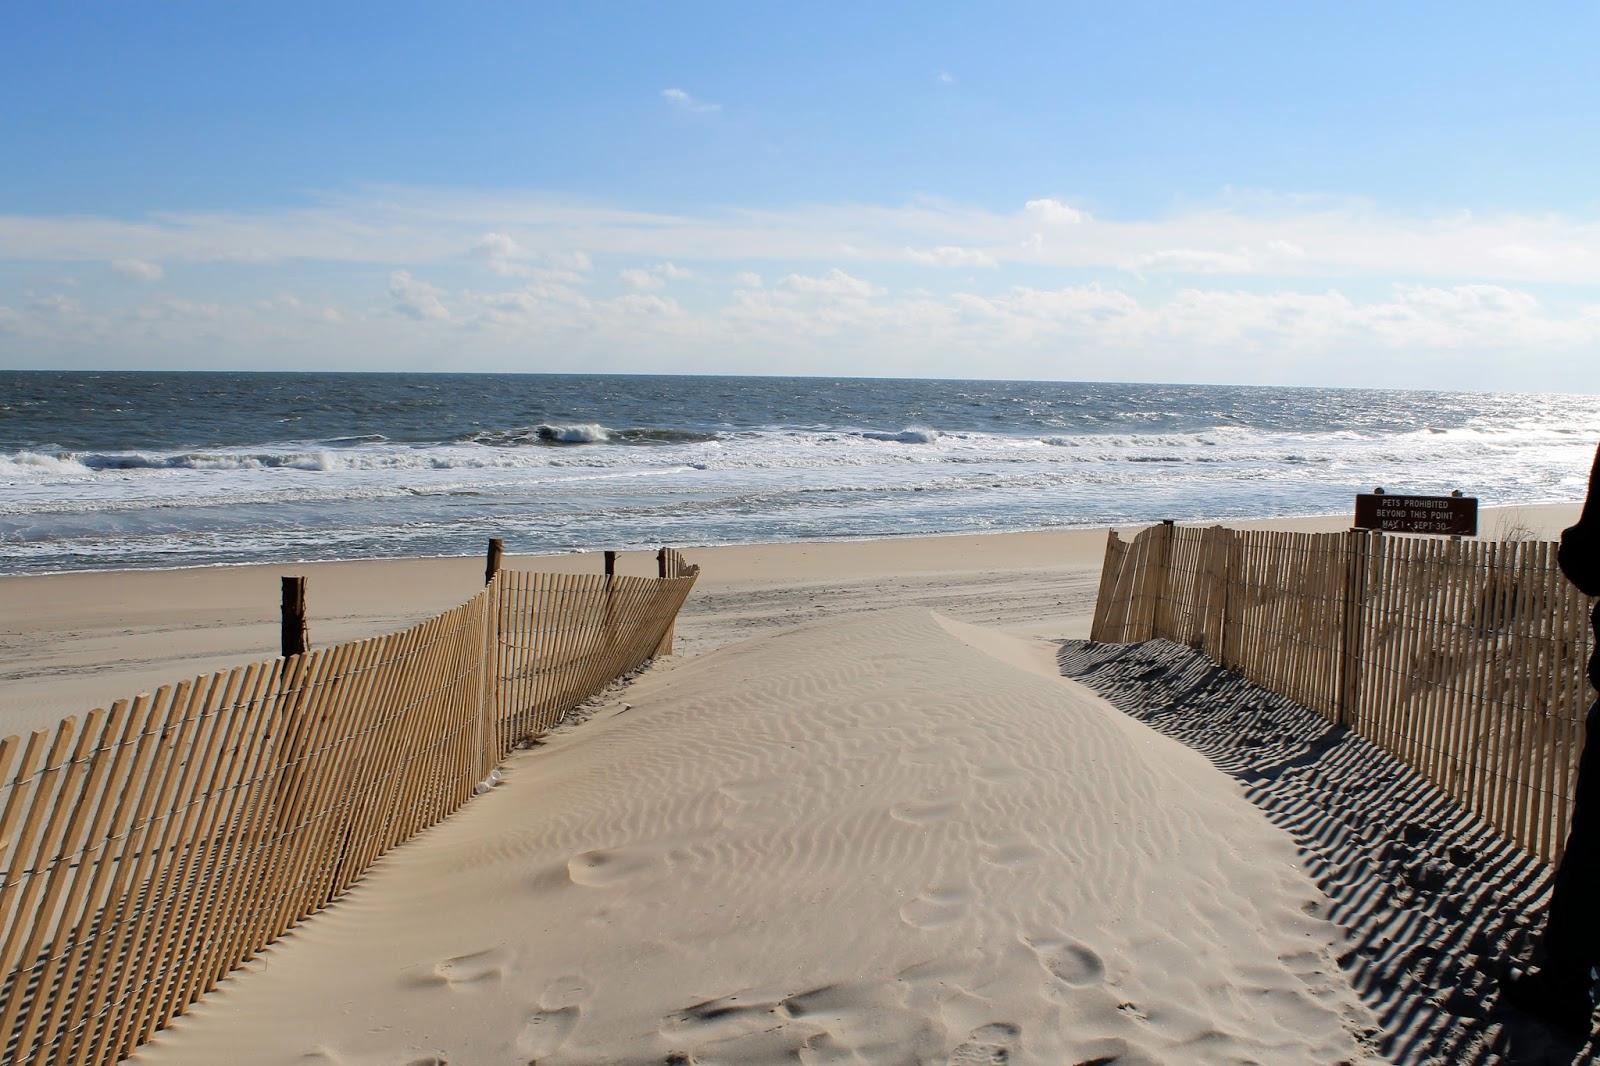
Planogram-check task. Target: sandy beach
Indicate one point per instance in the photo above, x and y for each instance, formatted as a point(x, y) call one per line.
point(860, 816)
point(70, 642)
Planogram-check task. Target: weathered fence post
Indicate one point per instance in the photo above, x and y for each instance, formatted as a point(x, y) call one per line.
point(489, 678)
point(294, 635)
point(491, 565)
point(1106, 599)
point(1212, 593)
point(1160, 617)
point(1235, 601)
point(664, 645)
point(611, 564)
point(1353, 627)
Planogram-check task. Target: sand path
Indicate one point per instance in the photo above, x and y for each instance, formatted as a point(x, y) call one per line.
point(887, 838)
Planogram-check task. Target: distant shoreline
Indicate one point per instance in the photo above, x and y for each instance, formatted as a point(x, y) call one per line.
point(1340, 520)
point(79, 639)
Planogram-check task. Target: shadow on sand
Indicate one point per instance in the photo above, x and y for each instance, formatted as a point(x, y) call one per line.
point(1434, 902)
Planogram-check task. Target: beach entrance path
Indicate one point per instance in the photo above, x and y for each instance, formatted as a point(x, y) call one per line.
point(884, 838)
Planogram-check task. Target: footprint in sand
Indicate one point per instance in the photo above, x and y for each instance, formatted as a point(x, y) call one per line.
point(470, 969)
point(599, 869)
point(1000, 774)
point(568, 991)
point(987, 1045)
point(1113, 1052)
point(723, 1018)
point(545, 1031)
point(1011, 853)
point(336, 1058)
point(921, 813)
point(1068, 961)
point(936, 907)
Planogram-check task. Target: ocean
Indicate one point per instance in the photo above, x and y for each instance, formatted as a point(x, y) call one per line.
point(143, 470)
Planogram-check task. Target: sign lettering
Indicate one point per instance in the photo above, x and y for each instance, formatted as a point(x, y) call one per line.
point(1455, 516)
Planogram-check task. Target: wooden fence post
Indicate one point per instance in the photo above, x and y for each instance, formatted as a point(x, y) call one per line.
point(489, 673)
point(1161, 606)
point(1352, 609)
point(1233, 572)
point(1106, 600)
point(611, 564)
point(491, 566)
point(1211, 590)
point(664, 645)
point(295, 637)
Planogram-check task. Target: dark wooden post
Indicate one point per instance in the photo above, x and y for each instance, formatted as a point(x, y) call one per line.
point(611, 564)
point(491, 566)
point(295, 638)
point(1157, 628)
point(661, 563)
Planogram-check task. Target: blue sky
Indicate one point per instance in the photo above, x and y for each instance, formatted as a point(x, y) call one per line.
point(1343, 194)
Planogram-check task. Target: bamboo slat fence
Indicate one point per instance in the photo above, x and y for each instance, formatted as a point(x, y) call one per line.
point(157, 844)
point(1465, 659)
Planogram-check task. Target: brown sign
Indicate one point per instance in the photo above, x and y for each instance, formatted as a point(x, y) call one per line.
point(1395, 513)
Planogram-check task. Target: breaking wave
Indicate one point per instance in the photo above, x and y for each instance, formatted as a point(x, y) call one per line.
point(914, 435)
point(585, 433)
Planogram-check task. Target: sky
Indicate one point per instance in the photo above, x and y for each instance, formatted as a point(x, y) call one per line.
point(1337, 194)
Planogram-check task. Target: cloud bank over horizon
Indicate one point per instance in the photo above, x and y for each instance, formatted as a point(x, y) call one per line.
point(1250, 288)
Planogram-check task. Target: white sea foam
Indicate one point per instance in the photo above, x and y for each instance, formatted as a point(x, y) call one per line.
point(358, 497)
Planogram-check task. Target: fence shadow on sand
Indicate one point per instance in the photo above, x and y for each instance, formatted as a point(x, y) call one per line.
point(1432, 899)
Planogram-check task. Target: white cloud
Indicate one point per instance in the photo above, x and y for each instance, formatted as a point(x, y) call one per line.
point(505, 256)
point(287, 306)
point(747, 279)
point(946, 77)
point(54, 303)
point(653, 277)
point(495, 246)
point(951, 256)
point(174, 309)
point(835, 284)
point(682, 99)
point(501, 254)
point(414, 298)
point(138, 269)
point(647, 304)
point(1054, 212)
point(576, 262)
point(520, 233)
point(1192, 261)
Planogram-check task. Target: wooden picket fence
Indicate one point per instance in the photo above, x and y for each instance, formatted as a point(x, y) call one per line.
point(1463, 658)
point(159, 843)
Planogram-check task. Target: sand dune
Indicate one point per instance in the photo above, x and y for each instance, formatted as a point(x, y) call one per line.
point(887, 838)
